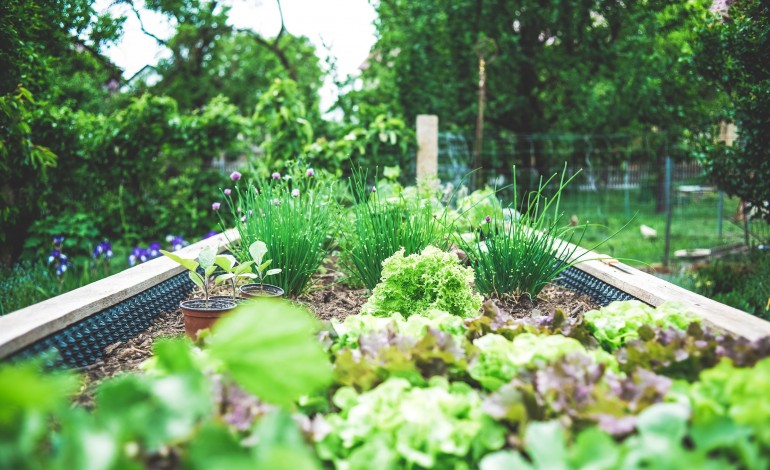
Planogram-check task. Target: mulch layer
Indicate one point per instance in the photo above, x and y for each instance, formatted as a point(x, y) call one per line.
point(330, 299)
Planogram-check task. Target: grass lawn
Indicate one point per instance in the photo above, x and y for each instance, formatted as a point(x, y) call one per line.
point(693, 223)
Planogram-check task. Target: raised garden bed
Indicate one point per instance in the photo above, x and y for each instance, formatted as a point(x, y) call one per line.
point(626, 387)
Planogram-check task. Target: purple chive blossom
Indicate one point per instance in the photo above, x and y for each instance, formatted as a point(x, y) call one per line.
point(310, 172)
point(488, 219)
point(374, 189)
point(215, 206)
point(243, 219)
point(235, 176)
point(295, 193)
point(276, 176)
point(240, 210)
point(227, 191)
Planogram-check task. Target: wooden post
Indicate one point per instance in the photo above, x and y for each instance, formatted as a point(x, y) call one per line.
point(427, 146)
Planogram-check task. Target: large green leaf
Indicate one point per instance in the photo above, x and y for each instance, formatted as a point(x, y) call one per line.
point(190, 264)
point(268, 347)
point(207, 257)
point(226, 262)
point(258, 250)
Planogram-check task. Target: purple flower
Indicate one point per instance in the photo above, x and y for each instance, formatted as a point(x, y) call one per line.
point(295, 193)
point(243, 219)
point(488, 219)
point(138, 255)
point(176, 242)
point(215, 206)
point(103, 249)
point(276, 176)
point(61, 269)
point(58, 240)
point(153, 251)
point(228, 191)
point(310, 172)
point(235, 176)
point(210, 234)
point(55, 254)
point(374, 189)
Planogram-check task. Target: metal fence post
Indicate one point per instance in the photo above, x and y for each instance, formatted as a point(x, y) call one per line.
point(667, 249)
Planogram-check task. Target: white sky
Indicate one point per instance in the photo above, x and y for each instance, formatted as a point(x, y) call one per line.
point(346, 26)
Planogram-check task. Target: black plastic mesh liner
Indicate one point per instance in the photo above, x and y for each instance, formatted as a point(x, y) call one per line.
point(600, 292)
point(82, 343)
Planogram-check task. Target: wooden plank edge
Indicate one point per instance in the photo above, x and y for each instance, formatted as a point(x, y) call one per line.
point(656, 291)
point(26, 326)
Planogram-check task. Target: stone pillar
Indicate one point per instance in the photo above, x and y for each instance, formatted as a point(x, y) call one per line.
point(427, 146)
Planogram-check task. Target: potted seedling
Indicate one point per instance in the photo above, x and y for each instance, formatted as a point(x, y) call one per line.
point(232, 272)
point(258, 250)
point(201, 313)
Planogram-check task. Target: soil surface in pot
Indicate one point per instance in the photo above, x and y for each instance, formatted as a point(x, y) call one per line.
point(328, 299)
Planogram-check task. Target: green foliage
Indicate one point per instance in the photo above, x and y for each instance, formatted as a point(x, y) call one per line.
point(206, 260)
point(138, 418)
point(25, 283)
point(381, 226)
point(741, 281)
point(620, 322)
point(282, 118)
point(431, 279)
point(735, 394)
point(397, 425)
point(278, 360)
point(500, 359)
point(476, 207)
point(522, 256)
point(295, 229)
point(582, 66)
point(384, 141)
point(732, 53)
point(24, 168)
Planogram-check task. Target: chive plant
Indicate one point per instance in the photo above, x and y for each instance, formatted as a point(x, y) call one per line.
point(293, 215)
point(379, 228)
point(522, 256)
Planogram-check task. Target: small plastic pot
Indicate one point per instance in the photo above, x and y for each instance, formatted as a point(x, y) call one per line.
point(199, 314)
point(252, 291)
point(237, 300)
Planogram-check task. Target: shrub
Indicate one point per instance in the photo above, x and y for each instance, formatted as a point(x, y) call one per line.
point(432, 279)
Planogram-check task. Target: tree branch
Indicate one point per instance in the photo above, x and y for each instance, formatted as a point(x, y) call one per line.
point(130, 3)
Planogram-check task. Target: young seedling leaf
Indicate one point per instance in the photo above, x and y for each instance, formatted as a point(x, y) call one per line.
point(190, 264)
point(243, 268)
point(273, 271)
point(264, 265)
point(207, 257)
point(196, 278)
point(223, 277)
point(210, 270)
point(226, 262)
point(258, 250)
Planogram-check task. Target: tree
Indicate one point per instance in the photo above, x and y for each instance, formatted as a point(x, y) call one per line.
point(734, 54)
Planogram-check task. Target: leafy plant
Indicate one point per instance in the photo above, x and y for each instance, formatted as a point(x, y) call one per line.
point(292, 216)
point(522, 256)
point(619, 322)
point(380, 227)
point(430, 280)
point(397, 425)
point(206, 261)
point(232, 270)
point(258, 250)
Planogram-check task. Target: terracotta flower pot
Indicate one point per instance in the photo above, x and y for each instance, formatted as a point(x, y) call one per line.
point(199, 315)
point(251, 291)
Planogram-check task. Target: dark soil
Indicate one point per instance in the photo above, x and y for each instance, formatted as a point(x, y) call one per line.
point(328, 299)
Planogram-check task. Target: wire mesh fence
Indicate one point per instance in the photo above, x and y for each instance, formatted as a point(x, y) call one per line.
point(618, 184)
